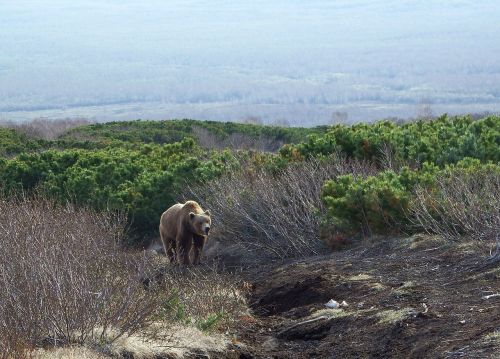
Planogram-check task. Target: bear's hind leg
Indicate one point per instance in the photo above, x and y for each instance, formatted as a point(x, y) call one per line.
point(171, 254)
point(169, 248)
point(198, 243)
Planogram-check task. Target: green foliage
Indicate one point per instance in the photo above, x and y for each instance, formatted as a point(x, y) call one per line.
point(171, 131)
point(441, 141)
point(210, 322)
point(143, 166)
point(139, 166)
point(379, 204)
point(174, 309)
point(12, 143)
point(139, 131)
point(446, 146)
point(372, 204)
point(143, 180)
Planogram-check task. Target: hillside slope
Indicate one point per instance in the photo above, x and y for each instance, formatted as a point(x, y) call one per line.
point(416, 297)
point(413, 298)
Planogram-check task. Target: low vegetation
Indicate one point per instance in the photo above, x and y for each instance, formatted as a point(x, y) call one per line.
point(140, 166)
point(275, 213)
point(442, 141)
point(43, 128)
point(459, 199)
point(66, 279)
point(209, 134)
point(282, 202)
point(138, 179)
point(463, 201)
point(69, 193)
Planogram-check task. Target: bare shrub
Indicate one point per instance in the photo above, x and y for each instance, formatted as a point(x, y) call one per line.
point(339, 118)
point(64, 278)
point(424, 109)
point(281, 122)
point(387, 158)
point(253, 120)
point(495, 253)
point(236, 141)
point(46, 128)
point(462, 204)
point(274, 214)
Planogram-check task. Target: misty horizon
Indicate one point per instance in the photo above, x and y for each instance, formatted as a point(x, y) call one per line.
point(281, 61)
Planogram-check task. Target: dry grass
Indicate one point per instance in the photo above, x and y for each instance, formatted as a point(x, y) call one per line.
point(422, 241)
point(277, 215)
point(359, 277)
point(330, 313)
point(174, 342)
point(45, 128)
point(493, 338)
point(63, 274)
point(68, 353)
point(391, 316)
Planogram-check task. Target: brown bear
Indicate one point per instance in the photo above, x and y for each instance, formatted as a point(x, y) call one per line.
point(184, 227)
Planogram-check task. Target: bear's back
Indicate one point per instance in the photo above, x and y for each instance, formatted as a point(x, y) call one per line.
point(170, 219)
point(191, 206)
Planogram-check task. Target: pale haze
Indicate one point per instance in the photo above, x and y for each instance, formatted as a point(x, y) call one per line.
point(300, 62)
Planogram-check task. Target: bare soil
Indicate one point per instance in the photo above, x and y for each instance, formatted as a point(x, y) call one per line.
point(418, 297)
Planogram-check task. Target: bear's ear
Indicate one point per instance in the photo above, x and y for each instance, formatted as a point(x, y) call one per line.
point(191, 215)
point(207, 212)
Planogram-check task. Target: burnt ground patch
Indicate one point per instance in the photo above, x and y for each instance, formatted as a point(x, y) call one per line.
point(412, 298)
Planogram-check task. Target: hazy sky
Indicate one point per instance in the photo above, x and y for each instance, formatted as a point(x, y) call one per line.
point(294, 60)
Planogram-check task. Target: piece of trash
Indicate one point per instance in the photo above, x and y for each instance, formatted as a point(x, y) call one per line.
point(344, 304)
point(426, 308)
point(491, 296)
point(332, 304)
point(462, 322)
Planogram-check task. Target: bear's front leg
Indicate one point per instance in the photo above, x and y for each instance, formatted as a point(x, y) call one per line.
point(198, 243)
point(184, 245)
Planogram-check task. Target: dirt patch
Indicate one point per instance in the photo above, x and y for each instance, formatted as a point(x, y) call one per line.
point(277, 300)
point(404, 300)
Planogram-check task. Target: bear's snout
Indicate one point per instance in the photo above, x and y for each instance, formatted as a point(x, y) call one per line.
point(207, 229)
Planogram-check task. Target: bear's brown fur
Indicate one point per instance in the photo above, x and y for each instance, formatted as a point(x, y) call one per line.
point(184, 227)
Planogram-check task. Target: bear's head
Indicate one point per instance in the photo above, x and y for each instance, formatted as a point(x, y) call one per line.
point(200, 223)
